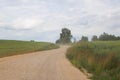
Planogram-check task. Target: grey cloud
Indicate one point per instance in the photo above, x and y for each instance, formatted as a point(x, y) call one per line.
point(43, 17)
point(12, 28)
point(112, 2)
point(86, 20)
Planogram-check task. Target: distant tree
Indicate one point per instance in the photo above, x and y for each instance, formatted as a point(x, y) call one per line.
point(32, 40)
point(94, 38)
point(104, 36)
point(107, 37)
point(118, 38)
point(84, 38)
point(65, 36)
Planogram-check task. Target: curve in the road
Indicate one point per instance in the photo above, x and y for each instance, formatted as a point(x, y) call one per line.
point(45, 65)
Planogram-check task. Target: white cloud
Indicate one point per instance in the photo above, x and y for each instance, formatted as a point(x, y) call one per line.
point(27, 19)
point(29, 23)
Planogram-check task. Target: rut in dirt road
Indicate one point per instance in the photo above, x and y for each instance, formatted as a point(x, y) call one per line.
point(45, 65)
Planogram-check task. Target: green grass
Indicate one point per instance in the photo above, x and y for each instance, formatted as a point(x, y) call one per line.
point(13, 47)
point(101, 58)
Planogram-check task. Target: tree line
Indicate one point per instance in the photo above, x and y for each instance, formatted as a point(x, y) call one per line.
point(105, 37)
point(66, 36)
point(102, 37)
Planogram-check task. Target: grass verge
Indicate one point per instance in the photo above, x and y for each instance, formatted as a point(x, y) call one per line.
point(101, 58)
point(13, 47)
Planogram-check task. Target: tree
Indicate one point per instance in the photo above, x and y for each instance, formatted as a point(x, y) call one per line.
point(84, 38)
point(104, 36)
point(65, 36)
point(94, 38)
point(107, 37)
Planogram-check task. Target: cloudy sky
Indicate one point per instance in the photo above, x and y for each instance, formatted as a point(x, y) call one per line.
point(42, 20)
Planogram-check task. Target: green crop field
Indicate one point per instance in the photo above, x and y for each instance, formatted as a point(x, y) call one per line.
point(13, 47)
point(100, 58)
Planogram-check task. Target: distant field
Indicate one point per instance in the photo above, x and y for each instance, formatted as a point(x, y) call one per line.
point(13, 47)
point(101, 58)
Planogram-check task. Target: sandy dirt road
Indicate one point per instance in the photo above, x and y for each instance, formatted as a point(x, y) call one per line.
point(44, 65)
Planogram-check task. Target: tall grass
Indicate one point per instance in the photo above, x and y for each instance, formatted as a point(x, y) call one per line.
point(13, 47)
point(100, 58)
